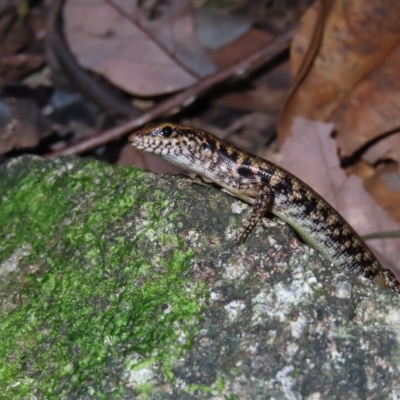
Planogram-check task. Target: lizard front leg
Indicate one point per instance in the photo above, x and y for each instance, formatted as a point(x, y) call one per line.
point(260, 207)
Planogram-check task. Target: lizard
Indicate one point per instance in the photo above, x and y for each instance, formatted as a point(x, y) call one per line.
point(267, 187)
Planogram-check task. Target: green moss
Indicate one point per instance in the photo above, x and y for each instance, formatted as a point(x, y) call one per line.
point(216, 389)
point(195, 387)
point(145, 390)
point(95, 295)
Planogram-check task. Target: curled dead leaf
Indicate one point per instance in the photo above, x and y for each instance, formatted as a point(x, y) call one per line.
point(353, 78)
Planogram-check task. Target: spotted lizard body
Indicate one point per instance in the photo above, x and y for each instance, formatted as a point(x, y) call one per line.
point(269, 188)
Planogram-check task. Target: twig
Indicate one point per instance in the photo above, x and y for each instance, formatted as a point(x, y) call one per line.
point(182, 99)
point(382, 235)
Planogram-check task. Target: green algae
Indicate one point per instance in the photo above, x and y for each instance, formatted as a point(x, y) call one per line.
point(89, 293)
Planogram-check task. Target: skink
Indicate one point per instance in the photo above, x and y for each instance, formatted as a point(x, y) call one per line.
point(269, 188)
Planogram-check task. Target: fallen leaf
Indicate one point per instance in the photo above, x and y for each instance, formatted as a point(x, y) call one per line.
point(175, 29)
point(22, 124)
point(141, 56)
point(131, 156)
point(251, 131)
point(353, 78)
point(383, 183)
point(249, 43)
point(215, 29)
point(387, 148)
point(266, 93)
point(17, 66)
point(15, 32)
point(311, 154)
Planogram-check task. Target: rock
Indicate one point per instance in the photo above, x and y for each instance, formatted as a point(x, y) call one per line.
point(117, 283)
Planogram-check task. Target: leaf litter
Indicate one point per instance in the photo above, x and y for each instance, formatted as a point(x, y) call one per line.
point(141, 56)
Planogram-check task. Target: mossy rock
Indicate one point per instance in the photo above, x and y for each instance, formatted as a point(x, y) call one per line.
point(121, 284)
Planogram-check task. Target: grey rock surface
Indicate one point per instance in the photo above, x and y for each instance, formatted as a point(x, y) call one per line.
point(122, 284)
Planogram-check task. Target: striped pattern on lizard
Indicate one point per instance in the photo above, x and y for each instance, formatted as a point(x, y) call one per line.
point(267, 187)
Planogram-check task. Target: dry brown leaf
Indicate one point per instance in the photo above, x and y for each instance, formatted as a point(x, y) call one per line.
point(311, 154)
point(131, 156)
point(14, 30)
point(22, 124)
point(175, 30)
point(249, 43)
point(353, 80)
point(17, 66)
point(261, 98)
point(249, 131)
point(216, 29)
point(268, 91)
point(387, 148)
point(141, 56)
point(383, 183)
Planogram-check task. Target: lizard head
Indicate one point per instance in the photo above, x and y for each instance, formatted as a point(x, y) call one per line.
point(188, 147)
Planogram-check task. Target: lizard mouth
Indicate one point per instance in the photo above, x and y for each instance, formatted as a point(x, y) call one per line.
point(137, 142)
point(146, 147)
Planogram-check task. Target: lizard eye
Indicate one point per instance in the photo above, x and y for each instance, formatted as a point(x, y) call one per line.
point(166, 132)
